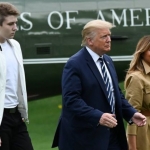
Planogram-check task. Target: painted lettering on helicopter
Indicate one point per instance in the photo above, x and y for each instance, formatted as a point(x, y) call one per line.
point(68, 19)
point(134, 18)
point(28, 22)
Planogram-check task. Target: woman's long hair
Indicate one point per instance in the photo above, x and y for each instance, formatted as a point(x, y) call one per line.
point(142, 46)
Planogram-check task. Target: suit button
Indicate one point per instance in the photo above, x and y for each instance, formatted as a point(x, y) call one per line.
point(108, 128)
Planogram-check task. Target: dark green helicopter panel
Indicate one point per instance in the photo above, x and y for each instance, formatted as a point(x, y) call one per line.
point(49, 32)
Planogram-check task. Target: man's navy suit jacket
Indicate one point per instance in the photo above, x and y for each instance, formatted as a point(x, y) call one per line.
point(84, 102)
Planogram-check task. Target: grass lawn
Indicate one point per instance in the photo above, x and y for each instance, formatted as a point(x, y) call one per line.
point(43, 116)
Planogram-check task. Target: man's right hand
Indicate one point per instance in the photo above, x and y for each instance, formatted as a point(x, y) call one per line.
point(108, 120)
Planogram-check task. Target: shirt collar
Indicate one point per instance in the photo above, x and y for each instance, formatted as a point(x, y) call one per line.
point(93, 54)
point(146, 67)
point(9, 42)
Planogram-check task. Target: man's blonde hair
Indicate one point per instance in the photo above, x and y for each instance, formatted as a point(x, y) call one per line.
point(89, 30)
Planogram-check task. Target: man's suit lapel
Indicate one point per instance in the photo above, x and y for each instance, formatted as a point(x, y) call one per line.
point(94, 69)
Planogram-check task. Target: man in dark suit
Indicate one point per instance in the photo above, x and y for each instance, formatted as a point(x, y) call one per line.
point(93, 105)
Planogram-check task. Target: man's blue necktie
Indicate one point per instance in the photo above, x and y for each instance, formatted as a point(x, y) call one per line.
point(107, 85)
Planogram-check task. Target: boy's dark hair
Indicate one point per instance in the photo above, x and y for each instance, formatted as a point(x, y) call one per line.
point(7, 9)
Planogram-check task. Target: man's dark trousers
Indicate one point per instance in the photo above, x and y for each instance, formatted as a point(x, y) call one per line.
point(13, 132)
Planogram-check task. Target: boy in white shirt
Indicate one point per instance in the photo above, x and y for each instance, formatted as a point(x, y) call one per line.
point(13, 96)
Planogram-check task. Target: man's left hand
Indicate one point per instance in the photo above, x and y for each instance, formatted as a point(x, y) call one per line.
point(139, 119)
